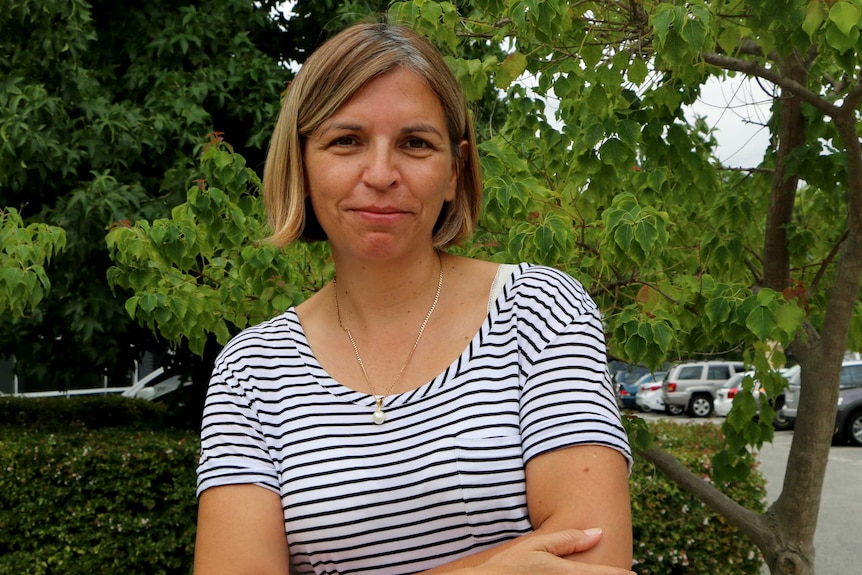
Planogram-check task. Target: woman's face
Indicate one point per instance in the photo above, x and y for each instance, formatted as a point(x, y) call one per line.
point(379, 170)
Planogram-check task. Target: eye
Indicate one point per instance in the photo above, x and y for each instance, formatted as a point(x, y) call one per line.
point(418, 144)
point(343, 141)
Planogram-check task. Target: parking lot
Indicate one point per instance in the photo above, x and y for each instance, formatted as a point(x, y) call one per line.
point(840, 520)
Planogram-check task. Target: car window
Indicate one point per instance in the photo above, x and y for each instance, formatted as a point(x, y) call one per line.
point(718, 372)
point(690, 372)
point(846, 377)
point(851, 376)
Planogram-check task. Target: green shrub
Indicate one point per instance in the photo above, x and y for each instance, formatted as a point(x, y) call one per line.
point(104, 501)
point(112, 500)
point(91, 412)
point(676, 534)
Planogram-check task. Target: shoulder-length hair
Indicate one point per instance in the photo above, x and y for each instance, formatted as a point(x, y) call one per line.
point(328, 79)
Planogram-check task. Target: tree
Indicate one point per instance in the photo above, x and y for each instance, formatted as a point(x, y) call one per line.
point(105, 105)
point(684, 256)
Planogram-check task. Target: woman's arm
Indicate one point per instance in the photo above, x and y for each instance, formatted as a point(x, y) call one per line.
point(581, 487)
point(240, 532)
point(569, 490)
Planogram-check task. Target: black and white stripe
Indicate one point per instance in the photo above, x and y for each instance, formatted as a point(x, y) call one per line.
point(444, 476)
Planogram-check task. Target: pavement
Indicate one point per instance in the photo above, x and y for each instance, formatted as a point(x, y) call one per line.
point(839, 523)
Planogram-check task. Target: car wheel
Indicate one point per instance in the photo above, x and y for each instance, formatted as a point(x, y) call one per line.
point(671, 409)
point(854, 428)
point(700, 406)
point(780, 423)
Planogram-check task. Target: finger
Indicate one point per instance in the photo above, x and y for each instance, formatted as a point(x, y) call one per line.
point(566, 542)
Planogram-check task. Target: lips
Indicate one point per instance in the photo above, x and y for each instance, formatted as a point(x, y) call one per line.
point(380, 213)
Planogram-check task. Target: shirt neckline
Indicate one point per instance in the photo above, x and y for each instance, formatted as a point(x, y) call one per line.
point(438, 382)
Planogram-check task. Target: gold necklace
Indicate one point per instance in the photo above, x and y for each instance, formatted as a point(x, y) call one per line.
point(379, 417)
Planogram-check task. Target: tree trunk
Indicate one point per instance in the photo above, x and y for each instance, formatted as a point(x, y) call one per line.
point(791, 135)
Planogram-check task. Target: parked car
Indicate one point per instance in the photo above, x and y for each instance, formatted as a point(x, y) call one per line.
point(725, 394)
point(848, 418)
point(626, 387)
point(648, 397)
point(692, 386)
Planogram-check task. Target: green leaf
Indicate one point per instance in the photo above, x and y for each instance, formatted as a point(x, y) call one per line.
point(510, 70)
point(842, 42)
point(646, 235)
point(614, 153)
point(846, 17)
point(147, 302)
point(789, 318)
point(623, 236)
point(814, 17)
point(637, 71)
point(636, 348)
point(662, 21)
point(761, 322)
point(132, 304)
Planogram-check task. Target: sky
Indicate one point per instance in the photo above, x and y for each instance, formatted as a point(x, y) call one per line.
point(737, 108)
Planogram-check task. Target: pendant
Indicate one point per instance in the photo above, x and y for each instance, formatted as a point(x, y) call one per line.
point(379, 417)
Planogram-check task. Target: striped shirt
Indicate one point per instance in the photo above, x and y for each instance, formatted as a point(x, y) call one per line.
point(443, 477)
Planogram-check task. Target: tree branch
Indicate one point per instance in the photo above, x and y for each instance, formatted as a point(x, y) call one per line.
point(755, 525)
point(826, 262)
point(854, 96)
point(754, 69)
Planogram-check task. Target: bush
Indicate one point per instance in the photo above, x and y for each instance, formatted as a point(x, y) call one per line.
point(92, 412)
point(102, 501)
point(107, 500)
point(676, 534)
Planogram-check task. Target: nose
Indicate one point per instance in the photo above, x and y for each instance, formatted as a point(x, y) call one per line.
point(381, 170)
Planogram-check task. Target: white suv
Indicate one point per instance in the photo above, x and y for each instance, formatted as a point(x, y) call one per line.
point(693, 386)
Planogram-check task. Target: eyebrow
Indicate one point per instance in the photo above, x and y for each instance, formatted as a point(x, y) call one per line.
point(349, 127)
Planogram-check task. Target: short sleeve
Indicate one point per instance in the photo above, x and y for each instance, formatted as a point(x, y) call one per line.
point(567, 396)
point(233, 446)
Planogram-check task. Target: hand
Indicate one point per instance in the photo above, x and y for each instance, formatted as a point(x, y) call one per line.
point(545, 554)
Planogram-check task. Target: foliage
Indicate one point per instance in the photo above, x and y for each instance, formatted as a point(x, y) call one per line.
point(24, 252)
point(674, 532)
point(97, 501)
point(82, 496)
point(104, 106)
point(207, 268)
point(59, 414)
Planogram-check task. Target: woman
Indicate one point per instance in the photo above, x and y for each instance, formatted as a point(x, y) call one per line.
point(422, 412)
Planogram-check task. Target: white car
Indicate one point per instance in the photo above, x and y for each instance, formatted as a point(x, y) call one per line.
point(648, 397)
point(725, 394)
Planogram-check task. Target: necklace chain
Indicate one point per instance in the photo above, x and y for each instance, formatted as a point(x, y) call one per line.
point(378, 416)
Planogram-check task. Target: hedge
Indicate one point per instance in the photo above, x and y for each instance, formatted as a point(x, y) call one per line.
point(90, 412)
point(114, 500)
point(674, 532)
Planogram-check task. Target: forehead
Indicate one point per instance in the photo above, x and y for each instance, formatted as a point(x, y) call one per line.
point(400, 92)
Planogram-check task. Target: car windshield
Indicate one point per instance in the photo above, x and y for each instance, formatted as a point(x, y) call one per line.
point(651, 377)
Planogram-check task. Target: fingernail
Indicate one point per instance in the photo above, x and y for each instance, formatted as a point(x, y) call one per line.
point(593, 531)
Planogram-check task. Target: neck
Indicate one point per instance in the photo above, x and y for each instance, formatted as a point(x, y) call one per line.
point(373, 292)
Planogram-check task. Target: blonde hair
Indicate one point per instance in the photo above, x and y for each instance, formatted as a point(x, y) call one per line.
point(328, 79)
